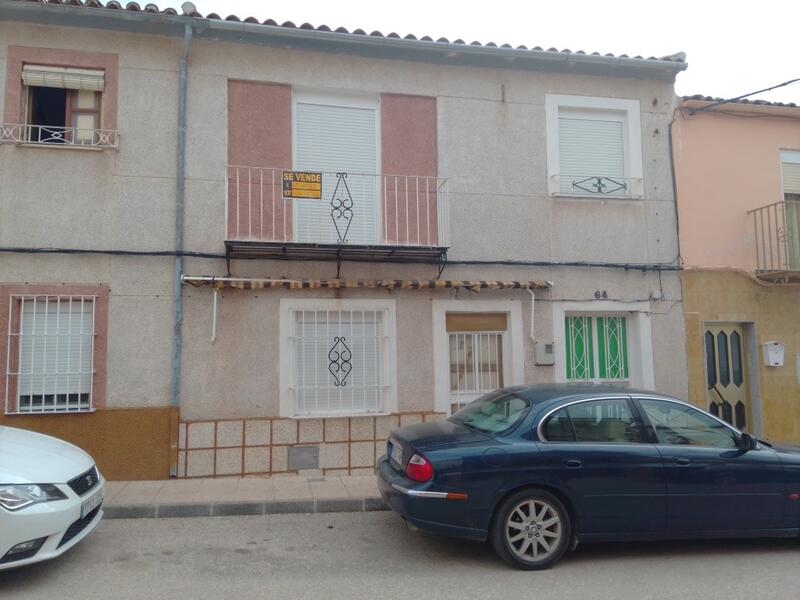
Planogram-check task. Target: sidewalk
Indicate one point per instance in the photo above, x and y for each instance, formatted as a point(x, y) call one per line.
point(227, 496)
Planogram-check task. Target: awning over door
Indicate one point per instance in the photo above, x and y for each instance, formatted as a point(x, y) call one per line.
point(243, 283)
point(63, 77)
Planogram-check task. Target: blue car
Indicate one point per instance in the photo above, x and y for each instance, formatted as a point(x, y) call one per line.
point(537, 469)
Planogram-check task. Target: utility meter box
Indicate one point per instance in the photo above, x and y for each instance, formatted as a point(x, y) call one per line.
point(772, 353)
point(544, 353)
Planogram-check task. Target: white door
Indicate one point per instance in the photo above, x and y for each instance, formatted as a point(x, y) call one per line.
point(337, 139)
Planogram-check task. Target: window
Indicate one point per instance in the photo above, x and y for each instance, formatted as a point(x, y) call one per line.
point(600, 421)
point(593, 146)
point(790, 169)
point(496, 412)
point(678, 424)
point(50, 354)
point(596, 347)
point(476, 354)
point(63, 106)
point(340, 357)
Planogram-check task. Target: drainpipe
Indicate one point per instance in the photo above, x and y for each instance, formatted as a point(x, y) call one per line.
point(180, 193)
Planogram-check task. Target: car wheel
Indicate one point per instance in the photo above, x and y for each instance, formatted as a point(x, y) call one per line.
point(531, 530)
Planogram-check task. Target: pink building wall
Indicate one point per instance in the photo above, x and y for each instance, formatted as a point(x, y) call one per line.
point(725, 165)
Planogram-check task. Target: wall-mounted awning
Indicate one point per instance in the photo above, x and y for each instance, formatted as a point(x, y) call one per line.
point(63, 77)
point(244, 283)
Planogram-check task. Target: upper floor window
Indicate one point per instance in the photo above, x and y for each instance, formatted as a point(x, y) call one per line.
point(593, 147)
point(63, 105)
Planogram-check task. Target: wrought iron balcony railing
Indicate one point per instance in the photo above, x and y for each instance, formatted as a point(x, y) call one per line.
point(59, 136)
point(353, 209)
point(596, 186)
point(777, 236)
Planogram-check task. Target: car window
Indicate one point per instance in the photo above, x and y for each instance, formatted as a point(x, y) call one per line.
point(558, 427)
point(677, 424)
point(605, 421)
point(495, 412)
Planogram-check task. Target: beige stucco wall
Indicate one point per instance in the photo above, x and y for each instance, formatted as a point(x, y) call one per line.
point(725, 165)
point(491, 126)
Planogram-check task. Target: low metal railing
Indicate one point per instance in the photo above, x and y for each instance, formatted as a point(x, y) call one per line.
point(777, 236)
point(58, 136)
point(597, 186)
point(353, 208)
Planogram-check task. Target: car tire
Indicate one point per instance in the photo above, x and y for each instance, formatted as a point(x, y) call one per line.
point(531, 530)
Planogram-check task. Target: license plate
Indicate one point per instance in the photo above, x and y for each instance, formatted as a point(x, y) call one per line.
point(92, 503)
point(397, 453)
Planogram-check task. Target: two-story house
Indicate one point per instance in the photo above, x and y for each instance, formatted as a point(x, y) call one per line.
point(737, 166)
point(270, 244)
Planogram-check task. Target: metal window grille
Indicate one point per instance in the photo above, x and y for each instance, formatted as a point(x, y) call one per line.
point(50, 358)
point(476, 364)
point(597, 348)
point(339, 361)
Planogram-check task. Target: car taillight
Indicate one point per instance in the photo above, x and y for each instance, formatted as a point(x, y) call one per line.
point(419, 469)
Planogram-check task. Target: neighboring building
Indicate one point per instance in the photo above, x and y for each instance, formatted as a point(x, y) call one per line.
point(487, 216)
point(737, 166)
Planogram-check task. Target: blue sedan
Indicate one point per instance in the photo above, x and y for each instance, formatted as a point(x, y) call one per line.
point(537, 469)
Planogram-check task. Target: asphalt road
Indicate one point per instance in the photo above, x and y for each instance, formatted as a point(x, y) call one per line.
point(373, 555)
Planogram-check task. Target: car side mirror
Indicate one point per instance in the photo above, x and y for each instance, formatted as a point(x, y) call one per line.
point(746, 442)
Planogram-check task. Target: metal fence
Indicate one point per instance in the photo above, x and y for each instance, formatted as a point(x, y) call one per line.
point(777, 236)
point(55, 136)
point(354, 208)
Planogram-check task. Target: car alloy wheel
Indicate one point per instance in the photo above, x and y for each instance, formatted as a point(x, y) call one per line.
point(531, 529)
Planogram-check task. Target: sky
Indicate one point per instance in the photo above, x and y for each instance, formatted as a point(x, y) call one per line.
point(732, 48)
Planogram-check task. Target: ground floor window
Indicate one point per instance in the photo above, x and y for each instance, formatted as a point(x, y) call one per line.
point(50, 360)
point(340, 359)
point(596, 347)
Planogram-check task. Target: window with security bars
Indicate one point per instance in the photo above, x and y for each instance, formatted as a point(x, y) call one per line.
point(476, 362)
point(596, 347)
point(50, 362)
point(339, 361)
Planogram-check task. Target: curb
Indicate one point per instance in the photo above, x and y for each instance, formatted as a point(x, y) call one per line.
point(230, 509)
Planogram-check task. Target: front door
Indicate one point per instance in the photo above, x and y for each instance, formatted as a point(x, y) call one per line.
point(712, 485)
point(727, 394)
point(477, 351)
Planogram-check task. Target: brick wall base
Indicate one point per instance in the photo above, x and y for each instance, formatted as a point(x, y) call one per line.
point(346, 445)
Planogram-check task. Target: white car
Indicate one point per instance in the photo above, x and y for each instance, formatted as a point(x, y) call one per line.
point(51, 495)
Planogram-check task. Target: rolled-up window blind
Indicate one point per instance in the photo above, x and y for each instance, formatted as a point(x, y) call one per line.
point(63, 77)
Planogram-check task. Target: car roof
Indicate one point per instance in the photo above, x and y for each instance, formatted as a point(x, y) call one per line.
point(544, 392)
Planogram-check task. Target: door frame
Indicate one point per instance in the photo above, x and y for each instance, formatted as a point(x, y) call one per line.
point(751, 362)
point(513, 365)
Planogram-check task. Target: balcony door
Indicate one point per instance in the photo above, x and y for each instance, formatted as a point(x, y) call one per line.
point(338, 136)
point(790, 167)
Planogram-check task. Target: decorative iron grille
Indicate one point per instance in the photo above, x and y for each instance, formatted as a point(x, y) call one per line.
point(59, 136)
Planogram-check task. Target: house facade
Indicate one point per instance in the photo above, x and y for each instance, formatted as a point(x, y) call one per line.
point(737, 166)
point(243, 248)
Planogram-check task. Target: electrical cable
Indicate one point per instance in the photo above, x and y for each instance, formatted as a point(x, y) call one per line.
point(693, 111)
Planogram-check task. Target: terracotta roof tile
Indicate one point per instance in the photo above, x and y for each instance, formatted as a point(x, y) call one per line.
point(744, 101)
point(152, 8)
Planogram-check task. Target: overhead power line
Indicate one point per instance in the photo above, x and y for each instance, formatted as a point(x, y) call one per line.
point(743, 96)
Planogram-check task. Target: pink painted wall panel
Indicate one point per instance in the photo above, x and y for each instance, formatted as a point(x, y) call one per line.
point(726, 165)
point(259, 138)
point(409, 162)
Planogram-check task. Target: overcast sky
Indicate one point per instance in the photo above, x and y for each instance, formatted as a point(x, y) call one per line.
point(732, 48)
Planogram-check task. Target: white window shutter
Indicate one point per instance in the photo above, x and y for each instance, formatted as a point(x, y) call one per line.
point(791, 178)
point(589, 148)
point(63, 77)
point(335, 139)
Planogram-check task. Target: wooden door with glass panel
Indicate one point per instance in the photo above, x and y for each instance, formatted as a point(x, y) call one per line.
point(477, 355)
point(727, 394)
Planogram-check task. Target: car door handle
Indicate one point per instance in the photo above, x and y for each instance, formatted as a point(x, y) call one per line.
point(682, 461)
point(573, 463)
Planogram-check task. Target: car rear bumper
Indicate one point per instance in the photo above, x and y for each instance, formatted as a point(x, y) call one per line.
point(60, 522)
point(425, 506)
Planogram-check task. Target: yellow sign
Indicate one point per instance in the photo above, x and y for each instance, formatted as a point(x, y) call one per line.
point(302, 185)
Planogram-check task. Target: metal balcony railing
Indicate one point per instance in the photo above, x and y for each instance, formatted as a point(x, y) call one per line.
point(600, 186)
point(777, 236)
point(58, 136)
point(354, 209)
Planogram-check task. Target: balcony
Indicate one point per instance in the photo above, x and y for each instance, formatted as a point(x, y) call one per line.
point(46, 135)
point(777, 236)
point(345, 216)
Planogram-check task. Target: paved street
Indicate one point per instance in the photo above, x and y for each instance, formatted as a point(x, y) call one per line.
point(373, 555)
